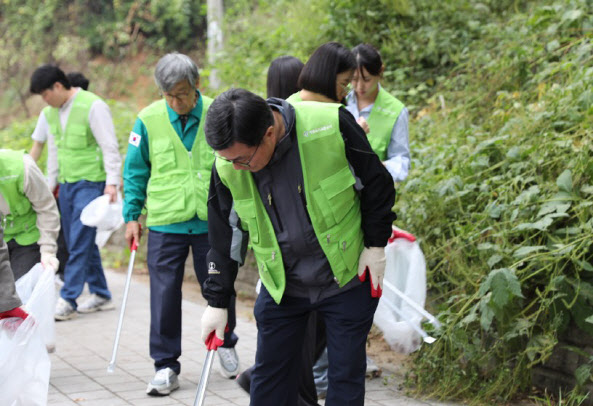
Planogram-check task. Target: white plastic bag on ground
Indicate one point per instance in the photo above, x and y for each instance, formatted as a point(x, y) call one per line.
point(106, 217)
point(405, 268)
point(37, 291)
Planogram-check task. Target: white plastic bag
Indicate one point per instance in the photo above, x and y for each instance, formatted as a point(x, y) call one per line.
point(405, 268)
point(105, 216)
point(24, 362)
point(37, 291)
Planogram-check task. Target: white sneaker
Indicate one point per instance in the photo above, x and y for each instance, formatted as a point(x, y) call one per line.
point(229, 362)
point(164, 382)
point(95, 303)
point(64, 310)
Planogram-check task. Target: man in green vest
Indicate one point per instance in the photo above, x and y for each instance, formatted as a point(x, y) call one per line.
point(303, 184)
point(29, 212)
point(84, 162)
point(167, 170)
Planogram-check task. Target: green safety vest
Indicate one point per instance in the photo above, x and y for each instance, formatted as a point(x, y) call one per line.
point(383, 116)
point(332, 203)
point(21, 223)
point(294, 98)
point(179, 179)
point(79, 155)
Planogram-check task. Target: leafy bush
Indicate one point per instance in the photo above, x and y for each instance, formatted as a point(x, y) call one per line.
point(500, 195)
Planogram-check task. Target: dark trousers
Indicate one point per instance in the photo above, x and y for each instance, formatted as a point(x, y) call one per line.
point(22, 257)
point(62, 253)
point(166, 258)
point(313, 347)
point(348, 318)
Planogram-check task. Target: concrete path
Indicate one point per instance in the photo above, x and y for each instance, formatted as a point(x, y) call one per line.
point(84, 345)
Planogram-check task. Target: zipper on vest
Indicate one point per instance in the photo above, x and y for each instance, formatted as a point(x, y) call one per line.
point(304, 201)
point(273, 207)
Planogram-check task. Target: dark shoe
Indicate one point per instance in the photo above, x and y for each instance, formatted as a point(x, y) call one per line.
point(244, 379)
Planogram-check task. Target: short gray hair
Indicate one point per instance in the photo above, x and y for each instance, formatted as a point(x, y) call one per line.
point(172, 69)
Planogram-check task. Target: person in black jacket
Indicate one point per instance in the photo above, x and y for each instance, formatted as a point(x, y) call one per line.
point(311, 270)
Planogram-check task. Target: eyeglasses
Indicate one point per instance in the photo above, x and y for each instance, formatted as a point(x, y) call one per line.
point(180, 97)
point(234, 161)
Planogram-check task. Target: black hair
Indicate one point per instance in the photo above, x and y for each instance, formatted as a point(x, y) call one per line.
point(77, 79)
point(283, 75)
point(321, 70)
point(369, 58)
point(237, 115)
point(45, 77)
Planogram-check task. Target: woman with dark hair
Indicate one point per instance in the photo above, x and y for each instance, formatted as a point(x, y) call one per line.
point(283, 75)
point(326, 75)
point(386, 116)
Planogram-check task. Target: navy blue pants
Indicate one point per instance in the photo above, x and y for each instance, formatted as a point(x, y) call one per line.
point(348, 317)
point(166, 258)
point(84, 262)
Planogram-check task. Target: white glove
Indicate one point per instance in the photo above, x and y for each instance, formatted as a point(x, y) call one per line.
point(49, 261)
point(214, 319)
point(373, 259)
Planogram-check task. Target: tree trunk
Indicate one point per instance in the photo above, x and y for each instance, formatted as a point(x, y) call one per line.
point(215, 39)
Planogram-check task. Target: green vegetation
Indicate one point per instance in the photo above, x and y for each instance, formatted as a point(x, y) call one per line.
point(501, 189)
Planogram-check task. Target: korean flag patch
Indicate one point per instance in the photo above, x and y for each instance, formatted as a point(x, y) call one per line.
point(134, 139)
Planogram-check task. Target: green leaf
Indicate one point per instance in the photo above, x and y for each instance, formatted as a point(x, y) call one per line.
point(585, 265)
point(494, 259)
point(564, 181)
point(504, 286)
point(583, 374)
point(486, 313)
point(524, 251)
point(541, 224)
point(589, 319)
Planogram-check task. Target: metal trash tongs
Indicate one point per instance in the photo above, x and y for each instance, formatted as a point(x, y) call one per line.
point(212, 344)
point(134, 248)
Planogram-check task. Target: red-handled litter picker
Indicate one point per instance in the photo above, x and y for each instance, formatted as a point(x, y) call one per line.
point(111, 367)
point(212, 343)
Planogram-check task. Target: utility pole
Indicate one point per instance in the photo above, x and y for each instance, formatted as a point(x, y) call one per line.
point(215, 38)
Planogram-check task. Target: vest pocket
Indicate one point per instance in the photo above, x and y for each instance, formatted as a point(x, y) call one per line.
point(165, 201)
point(163, 155)
point(76, 136)
point(351, 245)
point(266, 258)
point(337, 195)
point(245, 209)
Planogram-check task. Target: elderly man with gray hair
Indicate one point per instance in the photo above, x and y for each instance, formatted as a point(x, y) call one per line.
point(167, 169)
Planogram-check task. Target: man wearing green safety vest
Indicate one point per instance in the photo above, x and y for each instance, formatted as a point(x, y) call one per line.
point(167, 170)
point(303, 184)
point(28, 212)
point(83, 163)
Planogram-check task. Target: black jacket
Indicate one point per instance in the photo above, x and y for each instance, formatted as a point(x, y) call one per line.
point(307, 270)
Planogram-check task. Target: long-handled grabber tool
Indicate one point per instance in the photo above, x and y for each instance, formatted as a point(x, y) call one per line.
point(212, 343)
point(111, 366)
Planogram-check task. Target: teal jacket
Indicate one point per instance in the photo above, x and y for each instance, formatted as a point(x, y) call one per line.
point(137, 170)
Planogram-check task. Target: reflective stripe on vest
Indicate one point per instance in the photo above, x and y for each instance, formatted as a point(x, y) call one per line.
point(79, 155)
point(383, 117)
point(179, 179)
point(21, 223)
point(332, 203)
